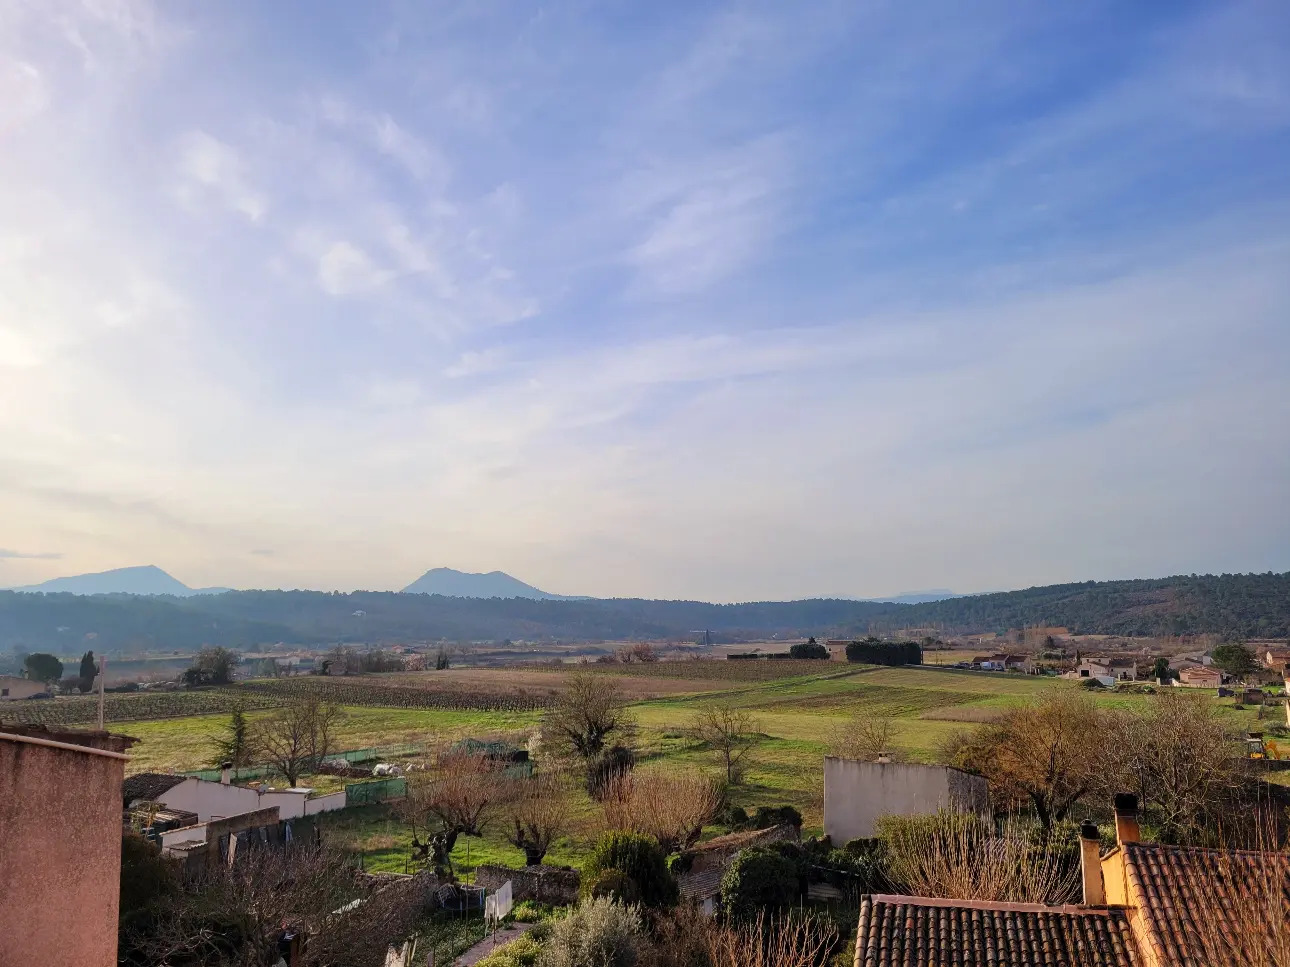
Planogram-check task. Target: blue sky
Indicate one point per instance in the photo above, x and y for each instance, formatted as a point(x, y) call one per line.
point(725, 301)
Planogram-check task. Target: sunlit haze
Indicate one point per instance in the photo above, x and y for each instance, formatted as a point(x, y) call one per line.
point(697, 300)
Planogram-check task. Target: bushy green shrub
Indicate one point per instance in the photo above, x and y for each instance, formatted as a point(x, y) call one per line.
point(521, 952)
point(768, 816)
point(600, 933)
point(758, 880)
point(616, 885)
point(733, 817)
point(640, 859)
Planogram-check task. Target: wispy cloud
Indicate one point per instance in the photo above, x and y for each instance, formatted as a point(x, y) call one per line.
point(7, 554)
point(695, 306)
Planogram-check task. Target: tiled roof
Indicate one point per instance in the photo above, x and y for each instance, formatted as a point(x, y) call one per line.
point(903, 931)
point(1195, 903)
point(700, 886)
point(148, 785)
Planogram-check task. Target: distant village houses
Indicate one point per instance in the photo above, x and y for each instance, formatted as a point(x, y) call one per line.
point(1108, 671)
point(1199, 676)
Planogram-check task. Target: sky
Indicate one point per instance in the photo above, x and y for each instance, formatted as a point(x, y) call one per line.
point(708, 300)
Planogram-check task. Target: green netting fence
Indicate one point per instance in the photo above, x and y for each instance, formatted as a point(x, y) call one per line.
point(378, 790)
point(247, 772)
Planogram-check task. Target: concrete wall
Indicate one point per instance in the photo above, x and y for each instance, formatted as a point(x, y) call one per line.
point(856, 794)
point(60, 850)
point(214, 800)
point(325, 804)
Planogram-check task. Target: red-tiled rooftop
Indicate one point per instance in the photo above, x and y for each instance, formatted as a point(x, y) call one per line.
point(905, 931)
point(1190, 897)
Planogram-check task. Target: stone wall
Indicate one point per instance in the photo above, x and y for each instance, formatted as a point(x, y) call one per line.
point(542, 884)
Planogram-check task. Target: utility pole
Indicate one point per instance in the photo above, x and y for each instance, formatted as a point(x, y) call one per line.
point(102, 679)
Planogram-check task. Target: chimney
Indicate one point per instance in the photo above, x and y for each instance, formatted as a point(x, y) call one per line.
point(1090, 865)
point(226, 773)
point(1126, 818)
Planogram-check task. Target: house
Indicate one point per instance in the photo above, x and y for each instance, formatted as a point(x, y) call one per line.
point(1199, 676)
point(857, 794)
point(1144, 905)
point(1108, 671)
point(221, 840)
point(706, 863)
point(217, 800)
point(1277, 659)
point(13, 688)
point(60, 846)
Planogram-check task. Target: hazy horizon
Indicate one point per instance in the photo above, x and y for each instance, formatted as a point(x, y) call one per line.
point(712, 301)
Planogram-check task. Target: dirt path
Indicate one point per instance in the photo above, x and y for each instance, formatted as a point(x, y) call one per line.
point(486, 947)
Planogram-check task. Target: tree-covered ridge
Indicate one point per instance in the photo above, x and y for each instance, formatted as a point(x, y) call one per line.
point(1233, 605)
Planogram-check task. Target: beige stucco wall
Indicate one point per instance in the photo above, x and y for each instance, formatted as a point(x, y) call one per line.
point(857, 793)
point(60, 854)
point(18, 688)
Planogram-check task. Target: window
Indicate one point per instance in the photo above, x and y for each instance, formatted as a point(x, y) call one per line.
point(3, 692)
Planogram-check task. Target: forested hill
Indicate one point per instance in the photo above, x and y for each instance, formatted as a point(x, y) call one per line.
point(1236, 606)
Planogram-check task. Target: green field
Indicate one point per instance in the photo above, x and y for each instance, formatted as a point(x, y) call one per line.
point(798, 717)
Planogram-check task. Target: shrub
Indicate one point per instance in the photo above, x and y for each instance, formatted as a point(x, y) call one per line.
point(608, 768)
point(768, 816)
point(735, 817)
point(616, 885)
point(521, 952)
point(809, 650)
point(873, 651)
point(758, 880)
point(640, 859)
point(600, 933)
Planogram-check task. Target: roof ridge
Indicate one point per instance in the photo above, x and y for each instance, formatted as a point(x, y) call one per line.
point(1005, 906)
point(1220, 850)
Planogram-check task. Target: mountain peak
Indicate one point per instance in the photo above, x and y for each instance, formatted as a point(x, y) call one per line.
point(140, 579)
point(452, 583)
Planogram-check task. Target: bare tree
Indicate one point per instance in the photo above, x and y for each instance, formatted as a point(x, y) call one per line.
point(1181, 759)
point(865, 737)
point(587, 714)
point(961, 856)
point(297, 738)
point(1048, 754)
point(457, 795)
point(236, 915)
point(730, 732)
point(673, 808)
point(772, 941)
point(538, 814)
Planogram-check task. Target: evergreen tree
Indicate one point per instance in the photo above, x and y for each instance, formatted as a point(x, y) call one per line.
point(88, 670)
point(234, 744)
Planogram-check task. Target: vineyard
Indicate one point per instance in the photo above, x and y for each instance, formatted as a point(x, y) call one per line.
point(379, 695)
point(83, 710)
point(717, 669)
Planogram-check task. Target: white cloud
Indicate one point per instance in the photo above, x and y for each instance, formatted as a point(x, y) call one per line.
point(344, 269)
point(207, 164)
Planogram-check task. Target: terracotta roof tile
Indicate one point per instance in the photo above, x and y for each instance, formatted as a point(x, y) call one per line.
point(901, 931)
point(1195, 902)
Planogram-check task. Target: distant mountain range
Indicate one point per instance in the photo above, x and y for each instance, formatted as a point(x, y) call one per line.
point(1233, 606)
point(447, 581)
point(145, 579)
point(462, 584)
point(918, 597)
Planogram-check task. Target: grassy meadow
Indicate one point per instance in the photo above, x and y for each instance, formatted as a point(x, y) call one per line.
point(798, 716)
